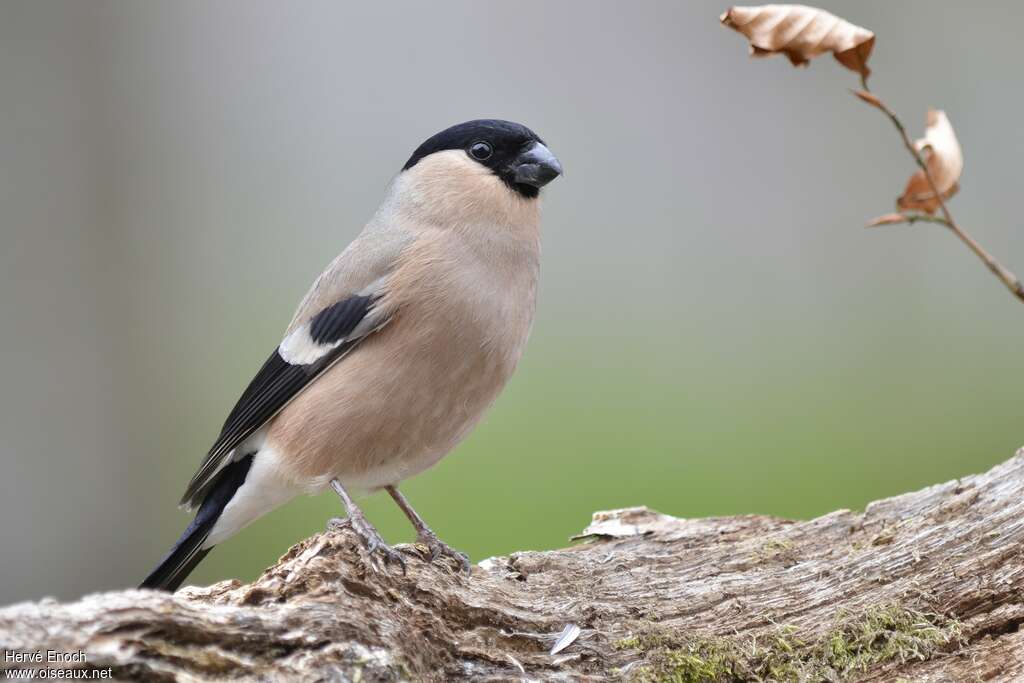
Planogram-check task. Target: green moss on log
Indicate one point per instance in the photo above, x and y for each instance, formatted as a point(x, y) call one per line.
point(882, 634)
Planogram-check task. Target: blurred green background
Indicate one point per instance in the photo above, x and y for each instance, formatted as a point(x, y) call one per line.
point(717, 334)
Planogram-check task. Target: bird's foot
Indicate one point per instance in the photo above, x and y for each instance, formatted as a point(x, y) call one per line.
point(439, 548)
point(371, 538)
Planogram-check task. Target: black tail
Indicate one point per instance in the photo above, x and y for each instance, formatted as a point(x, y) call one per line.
point(188, 551)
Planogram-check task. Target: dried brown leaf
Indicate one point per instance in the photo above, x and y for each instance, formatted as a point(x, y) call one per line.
point(945, 162)
point(887, 219)
point(802, 33)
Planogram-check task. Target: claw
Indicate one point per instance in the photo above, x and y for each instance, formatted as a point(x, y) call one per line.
point(375, 545)
point(426, 537)
point(439, 548)
point(368, 533)
point(338, 523)
point(389, 554)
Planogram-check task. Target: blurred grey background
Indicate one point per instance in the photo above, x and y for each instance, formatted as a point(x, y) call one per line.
point(717, 333)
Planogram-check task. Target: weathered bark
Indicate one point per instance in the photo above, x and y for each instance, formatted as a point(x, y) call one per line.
point(927, 586)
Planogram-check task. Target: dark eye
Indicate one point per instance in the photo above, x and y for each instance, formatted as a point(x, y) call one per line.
point(481, 151)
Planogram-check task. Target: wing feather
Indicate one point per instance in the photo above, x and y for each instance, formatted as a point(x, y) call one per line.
point(306, 353)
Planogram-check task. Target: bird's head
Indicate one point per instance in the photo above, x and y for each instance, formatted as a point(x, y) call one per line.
point(486, 165)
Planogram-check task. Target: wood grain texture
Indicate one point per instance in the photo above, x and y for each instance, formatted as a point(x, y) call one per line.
point(647, 590)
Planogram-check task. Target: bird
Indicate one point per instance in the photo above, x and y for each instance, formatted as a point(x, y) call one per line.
point(394, 354)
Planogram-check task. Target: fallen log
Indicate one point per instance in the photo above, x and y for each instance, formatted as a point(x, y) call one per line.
point(926, 586)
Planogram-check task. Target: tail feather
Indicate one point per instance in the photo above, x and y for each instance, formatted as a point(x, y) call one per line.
point(189, 551)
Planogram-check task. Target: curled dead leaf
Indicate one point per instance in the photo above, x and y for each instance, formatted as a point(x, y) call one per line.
point(945, 162)
point(802, 33)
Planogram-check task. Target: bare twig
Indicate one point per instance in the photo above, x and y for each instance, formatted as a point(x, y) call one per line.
point(1005, 275)
point(908, 218)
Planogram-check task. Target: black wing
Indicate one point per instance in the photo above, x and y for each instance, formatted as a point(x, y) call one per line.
point(279, 381)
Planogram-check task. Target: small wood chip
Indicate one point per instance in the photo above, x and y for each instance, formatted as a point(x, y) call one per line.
point(516, 662)
point(569, 634)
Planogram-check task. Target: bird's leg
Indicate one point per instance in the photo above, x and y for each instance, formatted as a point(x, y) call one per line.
point(371, 537)
point(426, 535)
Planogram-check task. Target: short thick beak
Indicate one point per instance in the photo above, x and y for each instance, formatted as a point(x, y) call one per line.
point(537, 166)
